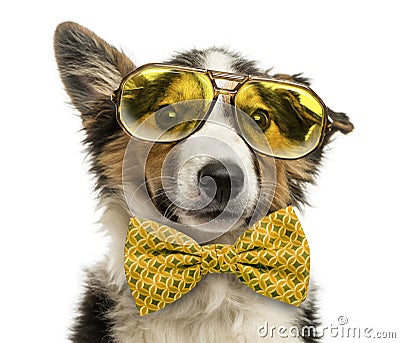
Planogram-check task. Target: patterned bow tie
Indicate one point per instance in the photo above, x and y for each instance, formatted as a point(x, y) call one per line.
point(163, 264)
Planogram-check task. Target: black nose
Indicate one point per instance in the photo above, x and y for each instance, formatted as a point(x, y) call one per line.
point(225, 181)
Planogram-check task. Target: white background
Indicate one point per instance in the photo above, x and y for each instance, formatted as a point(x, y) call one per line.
point(48, 230)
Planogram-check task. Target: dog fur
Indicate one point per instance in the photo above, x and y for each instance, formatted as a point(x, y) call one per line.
point(220, 308)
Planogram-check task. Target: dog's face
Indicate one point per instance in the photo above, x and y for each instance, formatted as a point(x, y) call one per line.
point(212, 181)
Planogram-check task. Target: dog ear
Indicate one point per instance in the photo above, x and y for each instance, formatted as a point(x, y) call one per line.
point(90, 68)
point(340, 122)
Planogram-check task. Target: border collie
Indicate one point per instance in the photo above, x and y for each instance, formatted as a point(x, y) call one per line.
point(220, 308)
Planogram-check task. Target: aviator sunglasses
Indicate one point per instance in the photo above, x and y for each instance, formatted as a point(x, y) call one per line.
point(165, 103)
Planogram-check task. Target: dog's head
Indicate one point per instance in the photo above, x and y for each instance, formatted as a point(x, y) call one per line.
point(212, 180)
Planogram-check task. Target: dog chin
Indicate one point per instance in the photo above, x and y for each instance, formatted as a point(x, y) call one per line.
point(213, 222)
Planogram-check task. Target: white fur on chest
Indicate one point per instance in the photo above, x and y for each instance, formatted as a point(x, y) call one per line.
point(219, 309)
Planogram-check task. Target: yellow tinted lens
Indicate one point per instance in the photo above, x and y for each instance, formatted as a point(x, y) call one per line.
point(290, 117)
point(164, 104)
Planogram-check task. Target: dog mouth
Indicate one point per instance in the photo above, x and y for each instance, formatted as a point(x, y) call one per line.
point(213, 196)
point(178, 214)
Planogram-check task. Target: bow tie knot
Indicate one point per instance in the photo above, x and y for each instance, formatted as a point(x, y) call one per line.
point(218, 258)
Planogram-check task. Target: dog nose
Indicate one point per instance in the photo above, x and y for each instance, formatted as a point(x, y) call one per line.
point(225, 181)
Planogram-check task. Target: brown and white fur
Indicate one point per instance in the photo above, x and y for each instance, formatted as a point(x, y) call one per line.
point(220, 308)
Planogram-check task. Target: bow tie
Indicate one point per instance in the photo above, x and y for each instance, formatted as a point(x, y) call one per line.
point(271, 257)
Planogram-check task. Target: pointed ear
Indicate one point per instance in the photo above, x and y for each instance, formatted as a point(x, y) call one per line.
point(90, 68)
point(340, 122)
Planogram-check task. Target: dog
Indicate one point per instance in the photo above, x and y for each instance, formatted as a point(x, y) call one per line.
point(220, 308)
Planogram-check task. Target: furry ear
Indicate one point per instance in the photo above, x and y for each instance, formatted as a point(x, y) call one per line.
point(90, 68)
point(340, 122)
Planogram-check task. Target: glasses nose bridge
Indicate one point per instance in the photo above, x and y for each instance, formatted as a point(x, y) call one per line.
point(225, 76)
point(222, 91)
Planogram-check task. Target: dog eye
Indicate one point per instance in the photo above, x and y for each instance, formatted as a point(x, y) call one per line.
point(260, 116)
point(167, 117)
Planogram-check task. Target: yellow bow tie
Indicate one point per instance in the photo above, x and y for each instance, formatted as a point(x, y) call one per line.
point(162, 264)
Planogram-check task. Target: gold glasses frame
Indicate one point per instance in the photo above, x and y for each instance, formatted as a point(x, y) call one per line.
point(213, 76)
